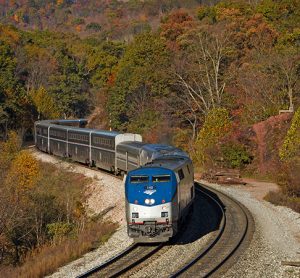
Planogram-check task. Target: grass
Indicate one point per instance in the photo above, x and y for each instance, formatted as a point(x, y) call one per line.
point(48, 258)
point(278, 198)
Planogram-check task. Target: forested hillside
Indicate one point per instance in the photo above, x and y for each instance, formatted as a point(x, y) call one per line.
point(112, 19)
point(210, 79)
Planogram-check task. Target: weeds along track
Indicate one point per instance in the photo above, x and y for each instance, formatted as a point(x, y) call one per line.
point(235, 233)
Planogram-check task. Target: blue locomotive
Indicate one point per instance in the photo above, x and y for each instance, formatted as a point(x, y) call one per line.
point(159, 196)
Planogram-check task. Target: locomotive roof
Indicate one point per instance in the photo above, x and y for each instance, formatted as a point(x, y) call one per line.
point(134, 144)
point(169, 162)
point(158, 147)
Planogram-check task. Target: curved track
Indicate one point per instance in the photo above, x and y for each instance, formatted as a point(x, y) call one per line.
point(234, 235)
point(123, 262)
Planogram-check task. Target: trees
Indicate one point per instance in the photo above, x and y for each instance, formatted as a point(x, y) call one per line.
point(199, 73)
point(10, 89)
point(174, 25)
point(140, 79)
point(216, 126)
point(44, 103)
point(291, 145)
point(286, 64)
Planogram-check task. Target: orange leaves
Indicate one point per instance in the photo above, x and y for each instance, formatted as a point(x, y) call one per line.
point(228, 13)
point(176, 24)
point(259, 32)
point(8, 34)
point(16, 18)
point(78, 28)
point(24, 172)
point(59, 2)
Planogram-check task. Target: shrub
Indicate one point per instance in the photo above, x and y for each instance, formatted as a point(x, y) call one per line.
point(58, 230)
point(24, 172)
point(47, 258)
point(235, 155)
point(78, 21)
point(291, 144)
point(278, 198)
point(216, 126)
point(93, 26)
point(288, 178)
point(9, 149)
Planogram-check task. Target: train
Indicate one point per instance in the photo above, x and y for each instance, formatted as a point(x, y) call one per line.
point(158, 178)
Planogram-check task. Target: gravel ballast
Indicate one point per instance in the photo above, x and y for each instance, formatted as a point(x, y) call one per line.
point(276, 238)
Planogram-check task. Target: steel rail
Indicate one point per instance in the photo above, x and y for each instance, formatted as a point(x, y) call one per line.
point(119, 265)
point(108, 262)
point(207, 268)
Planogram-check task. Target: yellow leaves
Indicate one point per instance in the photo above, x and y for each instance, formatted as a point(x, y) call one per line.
point(44, 103)
point(59, 2)
point(9, 149)
point(8, 34)
point(228, 13)
point(291, 145)
point(24, 172)
point(217, 124)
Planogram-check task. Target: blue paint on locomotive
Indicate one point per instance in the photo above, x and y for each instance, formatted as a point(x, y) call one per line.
point(162, 192)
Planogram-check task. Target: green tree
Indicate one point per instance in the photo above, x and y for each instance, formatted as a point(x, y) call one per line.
point(69, 86)
point(217, 124)
point(142, 76)
point(291, 144)
point(44, 103)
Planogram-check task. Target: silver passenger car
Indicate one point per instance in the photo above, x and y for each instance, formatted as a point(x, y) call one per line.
point(90, 146)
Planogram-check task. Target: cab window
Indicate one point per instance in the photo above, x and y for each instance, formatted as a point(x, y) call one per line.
point(139, 179)
point(181, 174)
point(162, 178)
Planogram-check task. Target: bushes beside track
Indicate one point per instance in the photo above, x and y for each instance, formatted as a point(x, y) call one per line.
point(43, 221)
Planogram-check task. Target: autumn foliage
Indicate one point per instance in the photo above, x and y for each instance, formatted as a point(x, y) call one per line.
point(207, 78)
point(24, 172)
point(42, 214)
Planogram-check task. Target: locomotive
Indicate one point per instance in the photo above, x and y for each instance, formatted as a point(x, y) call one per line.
point(159, 179)
point(159, 196)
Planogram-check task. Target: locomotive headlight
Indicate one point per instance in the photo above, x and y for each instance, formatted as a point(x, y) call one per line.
point(164, 208)
point(149, 201)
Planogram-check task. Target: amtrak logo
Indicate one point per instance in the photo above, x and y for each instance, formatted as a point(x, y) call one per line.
point(149, 191)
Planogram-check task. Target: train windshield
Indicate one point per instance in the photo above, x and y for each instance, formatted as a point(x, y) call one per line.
point(161, 178)
point(139, 179)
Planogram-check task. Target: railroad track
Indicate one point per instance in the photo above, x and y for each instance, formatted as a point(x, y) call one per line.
point(233, 235)
point(123, 262)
